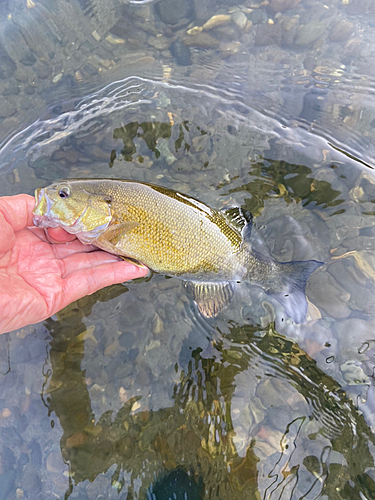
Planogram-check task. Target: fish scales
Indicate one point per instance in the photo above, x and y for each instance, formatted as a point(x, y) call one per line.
point(173, 234)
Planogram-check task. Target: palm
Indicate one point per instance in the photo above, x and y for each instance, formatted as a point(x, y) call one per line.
point(38, 278)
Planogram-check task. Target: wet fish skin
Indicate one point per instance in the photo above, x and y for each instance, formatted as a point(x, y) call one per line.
point(173, 234)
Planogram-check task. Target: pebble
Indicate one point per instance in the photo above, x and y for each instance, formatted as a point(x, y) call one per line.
point(226, 32)
point(157, 325)
point(43, 71)
point(6, 483)
point(219, 20)
point(281, 5)
point(159, 42)
point(181, 53)
point(239, 18)
point(257, 16)
point(77, 439)
point(7, 65)
point(268, 34)
point(342, 31)
point(28, 58)
point(230, 48)
point(267, 442)
point(289, 27)
point(173, 11)
point(353, 373)
point(274, 392)
point(202, 40)
point(55, 463)
point(327, 294)
point(57, 78)
point(23, 74)
point(310, 32)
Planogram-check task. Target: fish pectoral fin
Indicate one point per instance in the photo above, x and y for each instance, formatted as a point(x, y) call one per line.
point(114, 233)
point(211, 298)
point(241, 219)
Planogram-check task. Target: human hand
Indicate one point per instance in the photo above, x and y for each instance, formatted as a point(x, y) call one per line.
point(41, 274)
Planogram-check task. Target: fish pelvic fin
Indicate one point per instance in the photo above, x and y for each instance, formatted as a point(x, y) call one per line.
point(211, 298)
point(292, 294)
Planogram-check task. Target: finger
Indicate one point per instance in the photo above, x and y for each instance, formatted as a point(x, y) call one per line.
point(17, 210)
point(37, 231)
point(81, 261)
point(63, 250)
point(58, 235)
point(88, 281)
point(15, 214)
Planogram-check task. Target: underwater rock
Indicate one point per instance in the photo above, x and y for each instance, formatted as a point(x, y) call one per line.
point(230, 48)
point(181, 53)
point(219, 20)
point(43, 71)
point(310, 32)
point(202, 40)
point(7, 65)
point(173, 11)
point(342, 31)
point(281, 5)
point(268, 34)
point(257, 16)
point(28, 58)
point(353, 373)
point(289, 26)
point(159, 42)
point(239, 18)
point(327, 294)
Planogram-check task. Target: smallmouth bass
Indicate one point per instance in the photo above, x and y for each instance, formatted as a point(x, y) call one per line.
point(173, 234)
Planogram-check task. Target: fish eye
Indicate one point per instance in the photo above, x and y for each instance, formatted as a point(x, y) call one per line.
point(64, 192)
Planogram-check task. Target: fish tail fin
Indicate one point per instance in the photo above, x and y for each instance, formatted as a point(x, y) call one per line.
point(291, 292)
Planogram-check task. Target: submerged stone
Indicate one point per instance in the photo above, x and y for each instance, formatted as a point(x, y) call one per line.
point(173, 11)
point(181, 53)
point(281, 5)
point(310, 32)
point(342, 31)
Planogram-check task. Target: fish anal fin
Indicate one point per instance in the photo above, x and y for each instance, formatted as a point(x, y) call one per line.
point(241, 219)
point(211, 298)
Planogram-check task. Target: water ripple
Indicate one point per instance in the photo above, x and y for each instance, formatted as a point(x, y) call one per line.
point(88, 115)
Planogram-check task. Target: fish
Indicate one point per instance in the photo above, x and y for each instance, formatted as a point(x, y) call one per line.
point(173, 234)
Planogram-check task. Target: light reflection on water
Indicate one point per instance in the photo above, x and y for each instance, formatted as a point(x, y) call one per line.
point(129, 392)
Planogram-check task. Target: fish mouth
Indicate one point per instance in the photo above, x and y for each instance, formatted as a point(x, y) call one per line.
point(44, 221)
point(41, 212)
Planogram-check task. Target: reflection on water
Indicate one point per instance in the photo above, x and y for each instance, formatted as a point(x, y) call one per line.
point(250, 415)
point(129, 393)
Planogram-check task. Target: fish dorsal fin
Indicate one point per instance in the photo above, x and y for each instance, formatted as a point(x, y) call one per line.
point(211, 298)
point(241, 219)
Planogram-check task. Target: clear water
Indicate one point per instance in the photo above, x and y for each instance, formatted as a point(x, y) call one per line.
point(129, 393)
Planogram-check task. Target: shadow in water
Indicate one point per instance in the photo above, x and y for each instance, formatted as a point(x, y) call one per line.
point(252, 416)
point(292, 182)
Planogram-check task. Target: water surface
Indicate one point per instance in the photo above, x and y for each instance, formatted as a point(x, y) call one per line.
point(129, 393)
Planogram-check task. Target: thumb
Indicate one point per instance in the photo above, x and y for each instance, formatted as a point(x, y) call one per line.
point(16, 212)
